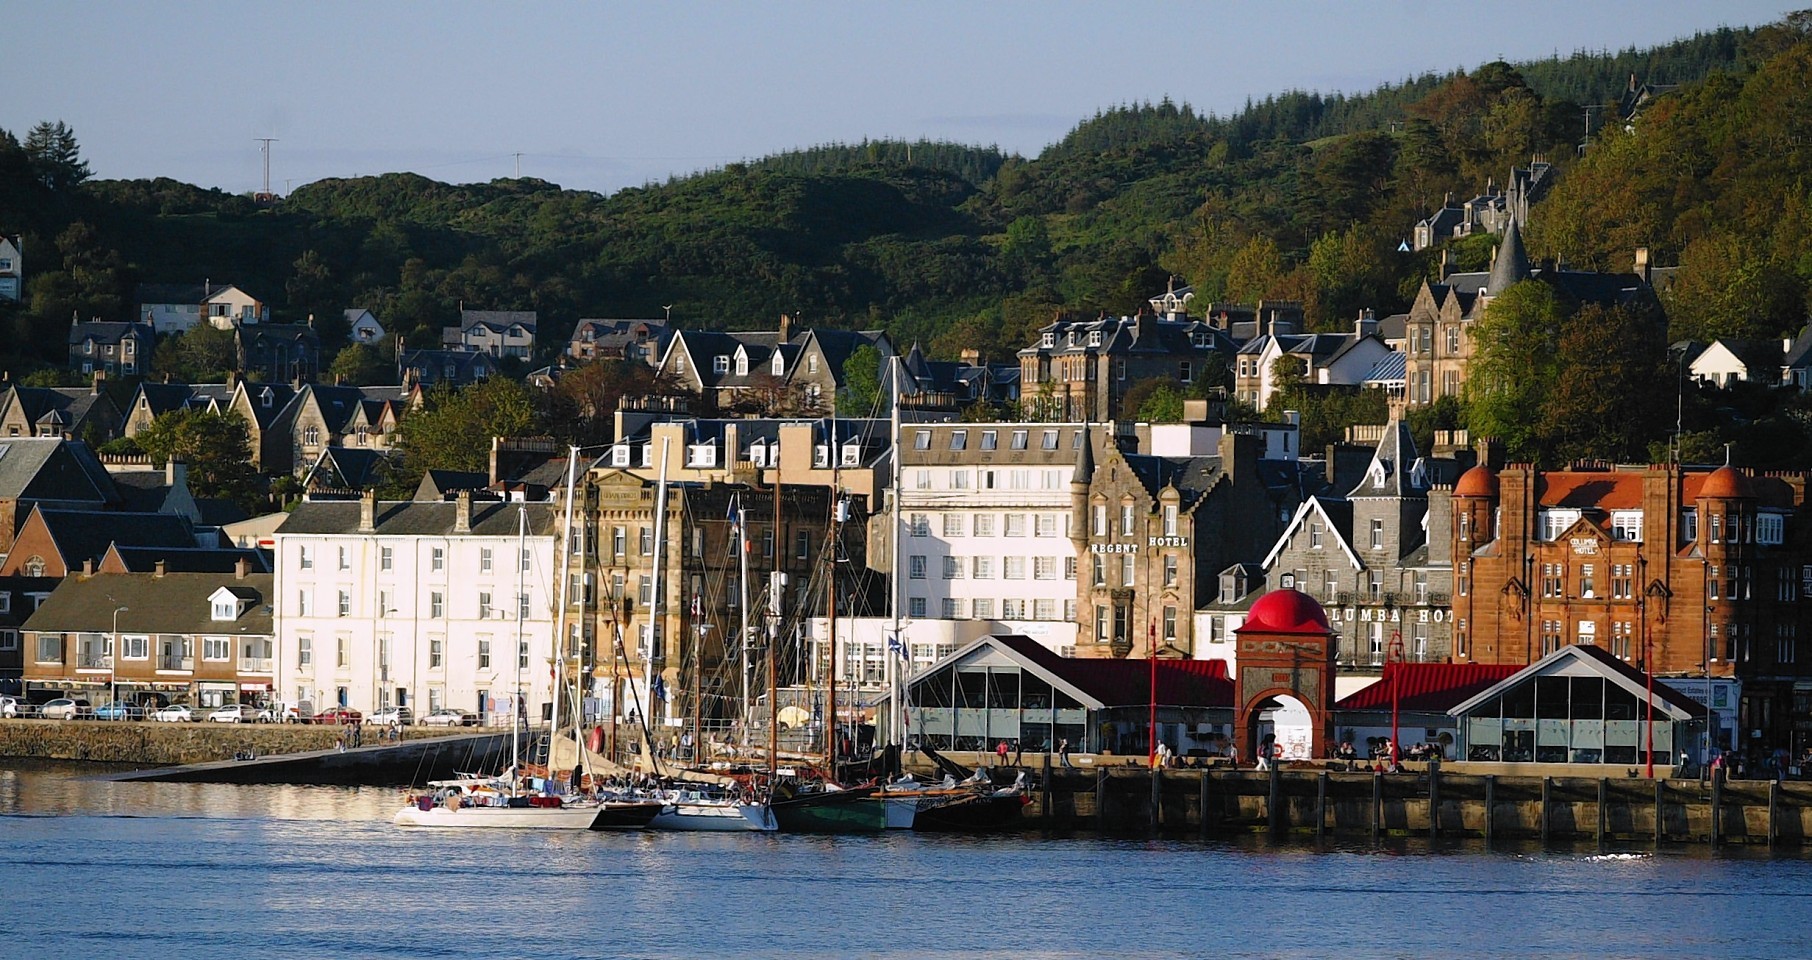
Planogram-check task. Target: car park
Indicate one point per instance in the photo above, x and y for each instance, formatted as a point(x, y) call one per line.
point(64, 708)
point(174, 713)
point(449, 717)
point(339, 715)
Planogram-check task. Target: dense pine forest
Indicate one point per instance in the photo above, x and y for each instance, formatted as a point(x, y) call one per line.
point(1300, 195)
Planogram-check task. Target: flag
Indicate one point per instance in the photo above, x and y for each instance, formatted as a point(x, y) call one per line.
point(658, 689)
point(897, 648)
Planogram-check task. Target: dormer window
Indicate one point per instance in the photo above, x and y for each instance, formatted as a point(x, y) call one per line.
point(742, 364)
point(1094, 338)
point(701, 455)
point(267, 398)
point(1047, 340)
point(720, 364)
point(779, 366)
point(852, 454)
point(224, 605)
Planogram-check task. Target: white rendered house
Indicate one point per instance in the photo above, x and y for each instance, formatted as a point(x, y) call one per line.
point(418, 604)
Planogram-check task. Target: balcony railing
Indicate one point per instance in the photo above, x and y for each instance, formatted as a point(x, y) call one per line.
point(93, 661)
point(176, 663)
point(254, 665)
point(1440, 599)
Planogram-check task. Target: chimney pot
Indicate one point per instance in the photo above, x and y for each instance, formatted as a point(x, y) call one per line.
point(241, 567)
point(462, 512)
point(368, 511)
point(88, 567)
point(159, 568)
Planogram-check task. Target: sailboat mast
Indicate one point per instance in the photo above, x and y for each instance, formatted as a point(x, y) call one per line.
point(654, 597)
point(831, 725)
point(519, 713)
point(896, 712)
point(564, 591)
point(775, 591)
point(742, 587)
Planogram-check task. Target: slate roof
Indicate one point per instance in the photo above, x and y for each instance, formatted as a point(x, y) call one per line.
point(441, 484)
point(183, 293)
point(50, 468)
point(161, 398)
point(55, 405)
point(408, 518)
point(1396, 456)
point(86, 534)
point(143, 491)
point(1391, 368)
point(347, 468)
point(430, 366)
point(107, 331)
point(1193, 477)
point(173, 603)
point(1761, 358)
point(186, 559)
point(497, 320)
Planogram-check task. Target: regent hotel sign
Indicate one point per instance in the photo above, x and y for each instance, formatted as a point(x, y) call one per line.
point(1103, 548)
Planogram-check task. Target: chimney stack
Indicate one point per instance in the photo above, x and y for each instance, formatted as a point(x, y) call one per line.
point(972, 356)
point(241, 567)
point(1642, 264)
point(88, 567)
point(368, 512)
point(158, 569)
point(462, 512)
point(786, 327)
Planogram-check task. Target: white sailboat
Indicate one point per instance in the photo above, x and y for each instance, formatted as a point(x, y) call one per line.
point(496, 803)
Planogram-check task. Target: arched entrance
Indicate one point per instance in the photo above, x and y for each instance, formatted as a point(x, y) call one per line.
point(1284, 686)
point(1282, 720)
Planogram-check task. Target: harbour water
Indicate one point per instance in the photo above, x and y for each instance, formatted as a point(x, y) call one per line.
point(91, 868)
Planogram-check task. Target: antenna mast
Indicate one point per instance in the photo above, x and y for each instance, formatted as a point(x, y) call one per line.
point(266, 150)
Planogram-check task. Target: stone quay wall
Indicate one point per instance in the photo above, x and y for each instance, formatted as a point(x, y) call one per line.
point(160, 744)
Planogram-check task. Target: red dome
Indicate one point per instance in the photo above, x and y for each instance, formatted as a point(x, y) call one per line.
point(1287, 611)
point(1477, 482)
point(1727, 483)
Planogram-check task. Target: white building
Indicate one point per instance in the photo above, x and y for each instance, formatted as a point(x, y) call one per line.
point(986, 546)
point(422, 605)
point(12, 270)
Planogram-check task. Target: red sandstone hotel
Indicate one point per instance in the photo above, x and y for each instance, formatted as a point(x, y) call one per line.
point(1705, 568)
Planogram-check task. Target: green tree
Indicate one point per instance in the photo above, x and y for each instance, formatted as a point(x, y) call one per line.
point(1603, 403)
point(1255, 271)
point(217, 447)
point(454, 427)
point(202, 354)
point(55, 156)
point(861, 381)
point(1513, 363)
point(1164, 405)
point(361, 365)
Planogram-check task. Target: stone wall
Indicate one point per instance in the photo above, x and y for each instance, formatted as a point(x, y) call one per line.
point(159, 744)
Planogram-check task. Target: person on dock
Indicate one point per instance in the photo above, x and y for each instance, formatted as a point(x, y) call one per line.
point(1000, 750)
point(1063, 753)
point(339, 743)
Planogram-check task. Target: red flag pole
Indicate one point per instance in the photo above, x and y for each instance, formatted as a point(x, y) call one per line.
point(1151, 653)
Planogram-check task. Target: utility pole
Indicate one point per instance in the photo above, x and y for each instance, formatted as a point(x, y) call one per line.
point(518, 157)
point(266, 150)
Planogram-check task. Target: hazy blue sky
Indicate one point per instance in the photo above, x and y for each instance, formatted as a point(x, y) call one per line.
point(601, 96)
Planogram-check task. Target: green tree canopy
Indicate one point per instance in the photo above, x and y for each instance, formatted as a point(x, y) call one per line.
point(361, 365)
point(454, 427)
point(861, 381)
point(216, 447)
point(1514, 361)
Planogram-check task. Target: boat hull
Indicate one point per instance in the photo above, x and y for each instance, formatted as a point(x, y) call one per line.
point(499, 818)
point(627, 814)
point(971, 814)
point(843, 811)
point(714, 817)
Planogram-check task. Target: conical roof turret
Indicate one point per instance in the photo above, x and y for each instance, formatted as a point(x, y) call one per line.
point(1085, 460)
point(1512, 264)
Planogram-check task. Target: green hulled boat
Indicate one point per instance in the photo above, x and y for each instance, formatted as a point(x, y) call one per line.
point(831, 811)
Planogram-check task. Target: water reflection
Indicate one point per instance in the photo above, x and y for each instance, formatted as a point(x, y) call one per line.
point(197, 870)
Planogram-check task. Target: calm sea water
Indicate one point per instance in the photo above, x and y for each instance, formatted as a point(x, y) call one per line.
point(93, 869)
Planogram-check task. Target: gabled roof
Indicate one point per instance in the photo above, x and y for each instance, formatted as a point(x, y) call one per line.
point(440, 484)
point(282, 397)
point(51, 468)
point(173, 603)
point(183, 559)
point(1395, 471)
point(1427, 687)
point(87, 534)
point(497, 320)
point(161, 398)
point(1193, 477)
point(187, 294)
point(1578, 660)
point(1338, 514)
point(107, 331)
point(346, 468)
point(1101, 683)
point(58, 405)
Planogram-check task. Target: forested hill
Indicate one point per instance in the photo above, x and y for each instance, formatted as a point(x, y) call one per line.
point(1298, 195)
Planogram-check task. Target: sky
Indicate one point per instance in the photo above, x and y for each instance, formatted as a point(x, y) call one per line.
point(604, 95)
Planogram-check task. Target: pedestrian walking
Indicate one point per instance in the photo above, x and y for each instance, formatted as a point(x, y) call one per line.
point(1000, 750)
point(339, 743)
point(1063, 752)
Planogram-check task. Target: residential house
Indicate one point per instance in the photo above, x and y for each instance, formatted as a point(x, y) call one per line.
point(1683, 572)
point(643, 341)
point(119, 559)
point(153, 400)
point(362, 417)
point(56, 543)
point(175, 308)
point(455, 367)
point(767, 372)
point(497, 333)
point(426, 605)
point(1438, 332)
point(943, 385)
point(269, 410)
point(1489, 212)
point(345, 472)
point(72, 413)
point(280, 352)
point(1080, 369)
point(363, 327)
point(20, 597)
point(1327, 359)
point(204, 638)
point(99, 346)
point(12, 270)
point(48, 472)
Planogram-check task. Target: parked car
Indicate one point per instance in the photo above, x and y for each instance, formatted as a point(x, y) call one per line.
point(390, 715)
point(117, 711)
point(239, 713)
point(9, 707)
point(339, 715)
point(281, 712)
point(449, 717)
point(64, 708)
point(174, 713)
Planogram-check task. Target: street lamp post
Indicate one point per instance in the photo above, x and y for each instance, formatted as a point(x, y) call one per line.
point(113, 664)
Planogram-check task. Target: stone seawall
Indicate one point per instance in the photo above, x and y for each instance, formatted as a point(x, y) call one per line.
point(164, 744)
